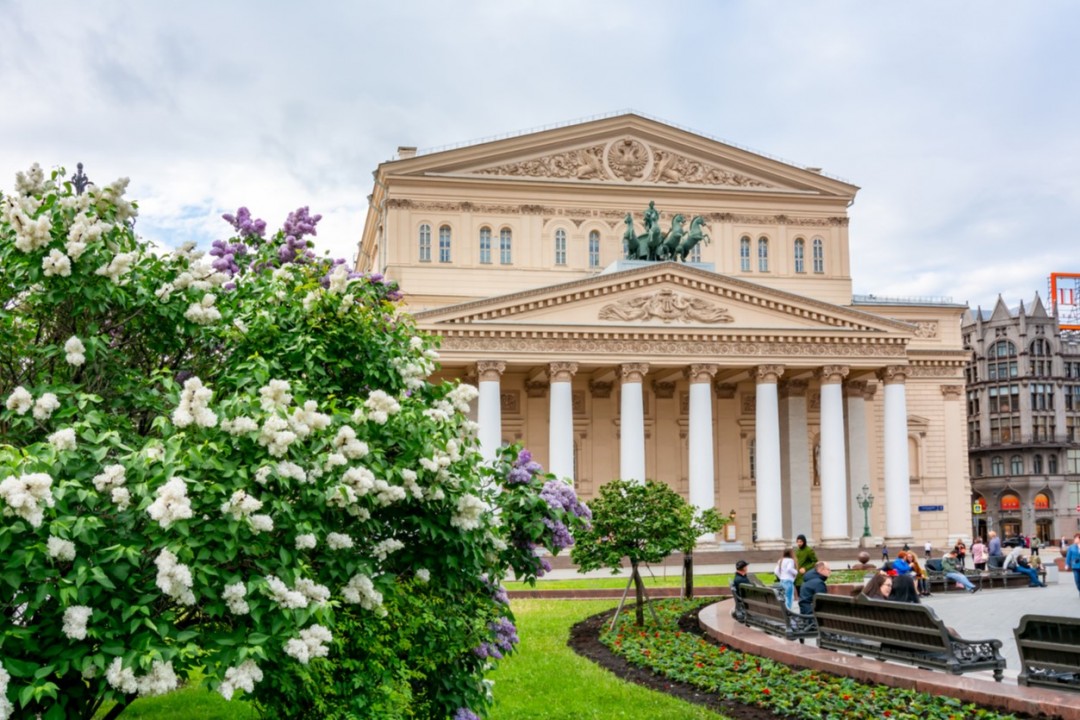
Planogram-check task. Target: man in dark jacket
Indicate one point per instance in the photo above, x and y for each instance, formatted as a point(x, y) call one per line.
point(741, 577)
point(812, 584)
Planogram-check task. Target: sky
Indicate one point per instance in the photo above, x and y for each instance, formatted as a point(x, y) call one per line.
point(958, 120)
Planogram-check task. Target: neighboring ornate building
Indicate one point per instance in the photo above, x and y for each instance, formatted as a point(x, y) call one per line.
point(749, 379)
point(1023, 405)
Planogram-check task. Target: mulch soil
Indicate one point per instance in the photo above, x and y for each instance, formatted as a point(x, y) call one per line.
point(585, 641)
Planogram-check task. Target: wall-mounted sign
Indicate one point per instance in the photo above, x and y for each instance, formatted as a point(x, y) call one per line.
point(931, 508)
point(977, 509)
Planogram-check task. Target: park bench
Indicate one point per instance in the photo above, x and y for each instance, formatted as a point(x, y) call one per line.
point(764, 608)
point(739, 611)
point(935, 576)
point(1049, 650)
point(996, 572)
point(902, 632)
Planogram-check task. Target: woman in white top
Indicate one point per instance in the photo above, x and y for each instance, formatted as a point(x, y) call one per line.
point(785, 570)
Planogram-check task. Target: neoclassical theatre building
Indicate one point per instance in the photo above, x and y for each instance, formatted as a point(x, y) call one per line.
point(747, 377)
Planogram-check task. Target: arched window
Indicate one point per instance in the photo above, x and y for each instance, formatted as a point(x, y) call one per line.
point(425, 243)
point(1003, 348)
point(594, 249)
point(560, 247)
point(485, 245)
point(997, 466)
point(1016, 465)
point(744, 254)
point(819, 255)
point(763, 255)
point(1010, 502)
point(506, 242)
point(444, 244)
point(1042, 501)
point(695, 254)
point(1037, 464)
point(800, 255)
point(1051, 464)
point(1001, 362)
point(1040, 357)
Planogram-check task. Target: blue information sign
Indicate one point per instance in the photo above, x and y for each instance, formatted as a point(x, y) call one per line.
point(931, 508)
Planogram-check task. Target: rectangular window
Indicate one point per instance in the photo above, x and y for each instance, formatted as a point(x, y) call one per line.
point(800, 252)
point(763, 255)
point(594, 249)
point(485, 245)
point(560, 247)
point(1072, 462)
point(744, 254)
point(425, 243)
point(819, 256)
point(444, 244)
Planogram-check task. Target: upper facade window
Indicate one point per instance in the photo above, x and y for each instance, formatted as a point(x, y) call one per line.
point(819, 255)
point(444, 244)
point(1041, 359)
point(560, 247)
point(744, 254)
point(763, 255)
point(425, 243)
point(695, 254)
point(506, 243)
point(1016, 465)
point(594, 249)
point(1001, 364)
point(997, 466)
point(800, 255)
point(485, 245)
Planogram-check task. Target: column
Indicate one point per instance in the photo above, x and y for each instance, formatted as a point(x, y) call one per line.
point(561, 420)
point(632, 422)
point(702, 474)
point(489, 414)
point(897, 474)
point(834, 502)
point(767, 458)
point(857, 393)
point(958, 497)
point(795, 469)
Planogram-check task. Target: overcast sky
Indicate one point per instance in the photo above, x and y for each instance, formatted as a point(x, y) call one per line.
point(959, 120)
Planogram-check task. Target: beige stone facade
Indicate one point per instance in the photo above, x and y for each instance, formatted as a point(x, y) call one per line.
point(753, 378)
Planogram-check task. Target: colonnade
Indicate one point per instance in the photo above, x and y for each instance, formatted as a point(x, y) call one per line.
point(837, 445)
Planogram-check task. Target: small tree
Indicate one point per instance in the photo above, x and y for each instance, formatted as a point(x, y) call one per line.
point(643, 522)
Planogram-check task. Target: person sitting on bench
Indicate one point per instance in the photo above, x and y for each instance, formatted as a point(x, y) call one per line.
point(951, 566)
point(1016, 562)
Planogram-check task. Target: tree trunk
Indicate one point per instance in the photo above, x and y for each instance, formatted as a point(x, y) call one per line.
point(639, 592)
point(688, 575)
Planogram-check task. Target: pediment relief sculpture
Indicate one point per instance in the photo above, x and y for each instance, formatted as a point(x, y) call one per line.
point(668, 306)
point(628, 159)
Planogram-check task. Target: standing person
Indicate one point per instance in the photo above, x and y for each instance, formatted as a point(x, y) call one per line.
point(979, 554)
point(951, 565)
point(994, 546)
point(1036, 543)
point(928, 550)
point(1072, 559)
point(805, 559)
point(813, 583)
point(884, 553)
point(787, 572)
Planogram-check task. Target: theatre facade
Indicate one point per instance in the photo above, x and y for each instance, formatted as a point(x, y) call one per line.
point(747, 377)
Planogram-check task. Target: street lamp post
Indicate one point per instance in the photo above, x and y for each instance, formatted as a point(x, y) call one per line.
point(865, 501)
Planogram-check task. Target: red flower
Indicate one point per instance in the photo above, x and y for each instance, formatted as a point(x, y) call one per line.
point(887, 714)
point(766, 691)
point(700, 665)
point(846, 697)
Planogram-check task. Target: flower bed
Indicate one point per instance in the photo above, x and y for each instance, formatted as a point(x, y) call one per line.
point(778, 688)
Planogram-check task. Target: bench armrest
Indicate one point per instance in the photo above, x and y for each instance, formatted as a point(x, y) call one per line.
point(974, 650)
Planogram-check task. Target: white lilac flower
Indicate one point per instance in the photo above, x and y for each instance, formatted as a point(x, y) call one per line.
point(310, 644)
point(275, 437)
point(286, 469)
point(334, 460)
point(339, 280)
point(30, 235)
point(285, 598)
point(75, 619)
point(346, 443)
point(310, 301)
point(383, 549)
point(275, 395)
point(45, 406)
point(386, 494)
point(26, 495)
point(348, 301)
point(339, 541)
point(234, 595)
point(241, 505)
point(241, 425)
point(116, 268)
point(341, 496)
point(317, 594)
point(194, 405)
point(360, 479)
point(203, 312)
point(56, 263)
point(172, 503)
point(362, 590)
point(174, 578)
point(305, 419)
point(469, 510)
point(262, 475)
point(30, 183)
point(154, 453)
point(381, 406)
point(243, 677)
point(6, 708)
point(305, 541)
point(411, 486)
point(160, 680)
point(20, 400)
point(164, 292)
point(111, 476)
point(75, 351)
point(461, 397)
point(60, 549)
point(423, 575)
point(121, 678)
point(63, 439)
point(261, 523)
point(122, 497)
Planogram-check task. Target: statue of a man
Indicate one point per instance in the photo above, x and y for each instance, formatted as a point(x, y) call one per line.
point(652, 216)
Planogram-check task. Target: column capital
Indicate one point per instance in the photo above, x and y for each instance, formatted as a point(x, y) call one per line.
point(855, 388)
point(664, 389)
point(600, 389)
point(831, 374)
point(724, 391)
point(700, 372)
point(490, 370)
point(952, 392)
point(536, 388)
point(633, 372)
point(767, 373)
point(893, 374)
point(562, 371)
point(793, 387)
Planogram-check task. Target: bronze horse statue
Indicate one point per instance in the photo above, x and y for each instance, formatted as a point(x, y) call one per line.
point(670, 245)
point(692, 238)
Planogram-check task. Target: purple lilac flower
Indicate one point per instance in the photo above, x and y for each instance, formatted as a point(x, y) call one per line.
point(465, 714)
point(394, 295)
point(560, 535)
point(506, 636)
point(225, 256)
point(300, 223)
point(518, 476)
point(244, 225)
point(524, 457)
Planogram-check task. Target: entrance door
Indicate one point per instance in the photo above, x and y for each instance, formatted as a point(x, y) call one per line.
point(1010, 528)
point(1044, 530)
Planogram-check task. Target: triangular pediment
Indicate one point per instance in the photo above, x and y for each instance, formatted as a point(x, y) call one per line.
point(662, 296)
point(623, 150)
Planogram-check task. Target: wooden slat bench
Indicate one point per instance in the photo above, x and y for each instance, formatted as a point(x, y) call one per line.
point(1049, 650)
point(764, 608)
point(935, 577)
point(903, 632)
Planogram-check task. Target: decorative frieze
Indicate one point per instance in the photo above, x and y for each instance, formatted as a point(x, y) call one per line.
point(666, 305)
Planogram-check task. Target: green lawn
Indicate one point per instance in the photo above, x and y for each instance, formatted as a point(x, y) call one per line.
point(546, 679)
point(670, 580)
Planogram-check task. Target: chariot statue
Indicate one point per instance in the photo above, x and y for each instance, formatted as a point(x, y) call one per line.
point(658, 246)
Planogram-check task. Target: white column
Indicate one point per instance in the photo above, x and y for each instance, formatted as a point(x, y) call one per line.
point(897, 474)
point(561, 420)
point(489, 414)
point(834, 506)
point(632, 422)
point(700, 437)
point(767, 458)
point(795, 466)
point(857, 392)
